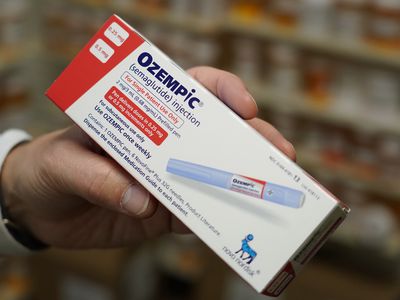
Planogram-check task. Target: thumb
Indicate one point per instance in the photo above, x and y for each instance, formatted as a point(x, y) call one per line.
point(102, 182)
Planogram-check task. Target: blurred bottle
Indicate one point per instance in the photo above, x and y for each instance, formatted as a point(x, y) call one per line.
point(210, 9)
point(316, 17)
point(356, 199)
point(207, 51)
point(153, 5)
point(284, 69)
point(180, 45)
point(76, 286)
point(169, 269)
point(124, 4)
point(363, 156)
point(350, 20)
point(58, 22)
point(314, 138)
point(384, 24)
point(237, 289)
point(13, 9)
point(181, 9)
point(388, 150)
point(15, 89)
point(287, 124)
point(139, 280)
point(181, 267)
point(248, 10)
point(246, 58)
point(77, 20)
point(13, 35)
point(13, 29)
point(347, 89)
point(158, 35)
point(96, 20)
point(371, 224)
point(55, 15)
point(318, 75)
point(302, 127)
point(378, 226)
point(382, 93)
point(336, 147)
point(95, 3)
point(284, 12)
point(15, 283)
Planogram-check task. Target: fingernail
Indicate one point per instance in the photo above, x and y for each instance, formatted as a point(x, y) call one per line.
point(250, 96)
point(290, 150)
point(135, 200)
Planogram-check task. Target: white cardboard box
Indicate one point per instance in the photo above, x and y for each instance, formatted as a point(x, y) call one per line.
point(187, 148)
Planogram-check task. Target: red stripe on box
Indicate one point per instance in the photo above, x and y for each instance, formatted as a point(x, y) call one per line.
point(136, 116)
point(280, 281)
point(86, 70)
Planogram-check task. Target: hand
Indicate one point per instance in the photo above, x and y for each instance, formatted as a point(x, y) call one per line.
point(66, 193)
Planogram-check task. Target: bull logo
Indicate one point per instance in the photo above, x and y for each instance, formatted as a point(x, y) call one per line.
point(246, 252)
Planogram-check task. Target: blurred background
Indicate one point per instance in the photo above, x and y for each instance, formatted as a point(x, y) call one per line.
point(324, 72)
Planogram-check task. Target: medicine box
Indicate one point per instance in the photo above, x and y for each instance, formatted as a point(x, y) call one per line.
point(258, 210)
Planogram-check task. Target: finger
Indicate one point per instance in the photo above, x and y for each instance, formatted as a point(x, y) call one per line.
point(76, 134)
point(274, 136)
point(162, 222)
point(102, 182)
point(227, 87)
point(109, 186)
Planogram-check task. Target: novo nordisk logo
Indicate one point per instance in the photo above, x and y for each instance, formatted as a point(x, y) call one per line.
point(247, 255)
point(246, 252)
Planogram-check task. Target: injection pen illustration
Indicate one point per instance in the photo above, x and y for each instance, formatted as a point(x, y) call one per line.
point(252, 187)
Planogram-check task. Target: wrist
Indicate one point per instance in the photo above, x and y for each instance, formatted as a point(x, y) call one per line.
point(11, 202)
point(16, 236)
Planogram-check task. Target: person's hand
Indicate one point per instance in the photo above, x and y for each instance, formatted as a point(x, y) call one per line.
point(68, 194)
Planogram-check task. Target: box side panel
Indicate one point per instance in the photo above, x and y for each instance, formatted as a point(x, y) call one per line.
point(306, 252)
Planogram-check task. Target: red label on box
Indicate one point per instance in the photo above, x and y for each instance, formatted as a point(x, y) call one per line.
point(136, 116)
point(91, 64)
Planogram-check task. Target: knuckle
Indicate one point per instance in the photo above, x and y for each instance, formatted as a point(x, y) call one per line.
point(106, 188)
point(97, 183)
point(51, 157)
point(49, 166)
point(233, 77)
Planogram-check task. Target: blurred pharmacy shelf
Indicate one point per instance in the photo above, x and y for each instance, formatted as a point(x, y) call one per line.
point(357, 51)
point(346, 175)
point(321, 280)
point(261, 29)
point(192, 24)
point(143, 13)
point(267, 96)
point(9, 59)
point(92, 4)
